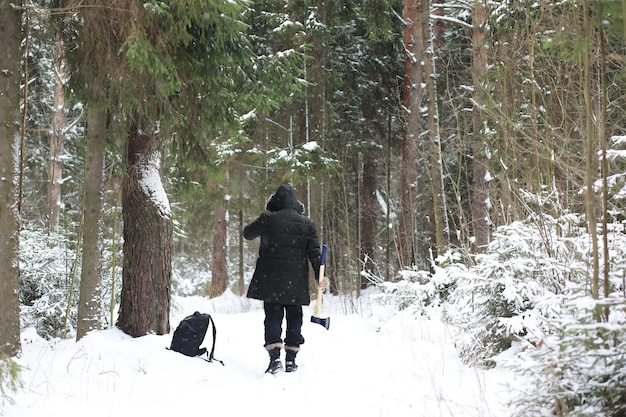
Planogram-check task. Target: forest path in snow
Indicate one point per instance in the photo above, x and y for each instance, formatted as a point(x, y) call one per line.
point(376, 363)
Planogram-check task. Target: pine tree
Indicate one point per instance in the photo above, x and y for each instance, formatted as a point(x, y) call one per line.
point(158, 68)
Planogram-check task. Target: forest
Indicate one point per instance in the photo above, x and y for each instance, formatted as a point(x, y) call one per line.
point(463, 155)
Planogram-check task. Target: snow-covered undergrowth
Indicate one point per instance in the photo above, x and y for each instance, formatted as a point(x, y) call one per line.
point(445, 342)
point(381, 362)
point(526, 305)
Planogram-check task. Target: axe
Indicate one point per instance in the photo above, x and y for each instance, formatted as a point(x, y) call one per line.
point(315, 318)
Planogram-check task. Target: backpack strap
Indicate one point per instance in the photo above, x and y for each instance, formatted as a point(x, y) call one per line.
point(210, 355)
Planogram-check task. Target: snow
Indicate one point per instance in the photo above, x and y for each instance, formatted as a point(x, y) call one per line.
point(151, 184)
point(378, 363)
point(310, 146)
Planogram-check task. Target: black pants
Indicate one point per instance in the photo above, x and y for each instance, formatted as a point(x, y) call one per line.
point(274, 314)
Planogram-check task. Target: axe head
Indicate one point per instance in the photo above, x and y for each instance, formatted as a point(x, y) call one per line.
point(324, 322)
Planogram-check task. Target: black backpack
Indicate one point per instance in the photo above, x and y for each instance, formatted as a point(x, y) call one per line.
point(190, 333)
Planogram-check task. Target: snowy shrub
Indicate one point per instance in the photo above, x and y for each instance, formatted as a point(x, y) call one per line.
point(47, 268)
point(111, 284)
point(579, 369)
point(514, 288)
point(9, 380)
point(50, 282)
point(617, 256)
point(423, 290)
point(409, 291)
point(190, 276)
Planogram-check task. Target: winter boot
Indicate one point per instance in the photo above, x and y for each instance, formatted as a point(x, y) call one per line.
point(275, 363)
point(290, 358)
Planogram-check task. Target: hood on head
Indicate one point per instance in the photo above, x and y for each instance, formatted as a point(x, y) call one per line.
point(284, 197)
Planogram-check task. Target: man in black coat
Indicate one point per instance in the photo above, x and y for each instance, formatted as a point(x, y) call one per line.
point(281, 278)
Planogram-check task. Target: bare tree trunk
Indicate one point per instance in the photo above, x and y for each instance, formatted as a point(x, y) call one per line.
point(591, 149)
point(219, 255)
point(388, 180)
point(602, 133)
point(412, 100)
point(440, 211)
point(57, 138)
point(480, 185)
point(10, 59)
point(147, 272)
point(90, 300)
point(241, 281)
point(316, 119)
point(368, 214)
point(369, 162)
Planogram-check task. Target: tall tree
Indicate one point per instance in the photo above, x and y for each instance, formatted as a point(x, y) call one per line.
point(147, 273)
point(480, 185)
point(90, 303)
point(435, 155)
point(380, 68)
point(57, 136)
point(587, 56)
point(10, 62)
point(163, 64)
point(364, 66)
point(412, 101)
point(93, 37)
point(315, 104)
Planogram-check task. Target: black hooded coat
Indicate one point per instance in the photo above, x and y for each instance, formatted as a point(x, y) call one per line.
point(288, 244)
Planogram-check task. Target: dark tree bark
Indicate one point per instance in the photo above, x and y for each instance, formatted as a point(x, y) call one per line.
point(147, 272)
point(441, 225)
point(368, 214)
point(90, 301)
point(412, 100)
point(374, 133)
point(10, 59)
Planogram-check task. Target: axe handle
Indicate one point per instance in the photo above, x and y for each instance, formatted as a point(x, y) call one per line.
point(320, 292)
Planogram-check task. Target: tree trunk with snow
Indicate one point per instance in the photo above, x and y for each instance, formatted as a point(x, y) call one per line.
point(368, 211)
point(147, 271)
point(368, 206)
point(480, 185)
point(412, 100)
point(10, 59)
point(57, 138)
point(89, 303)
point(435, 155)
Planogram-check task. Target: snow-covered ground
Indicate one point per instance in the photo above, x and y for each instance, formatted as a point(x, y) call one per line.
point(375, 363)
